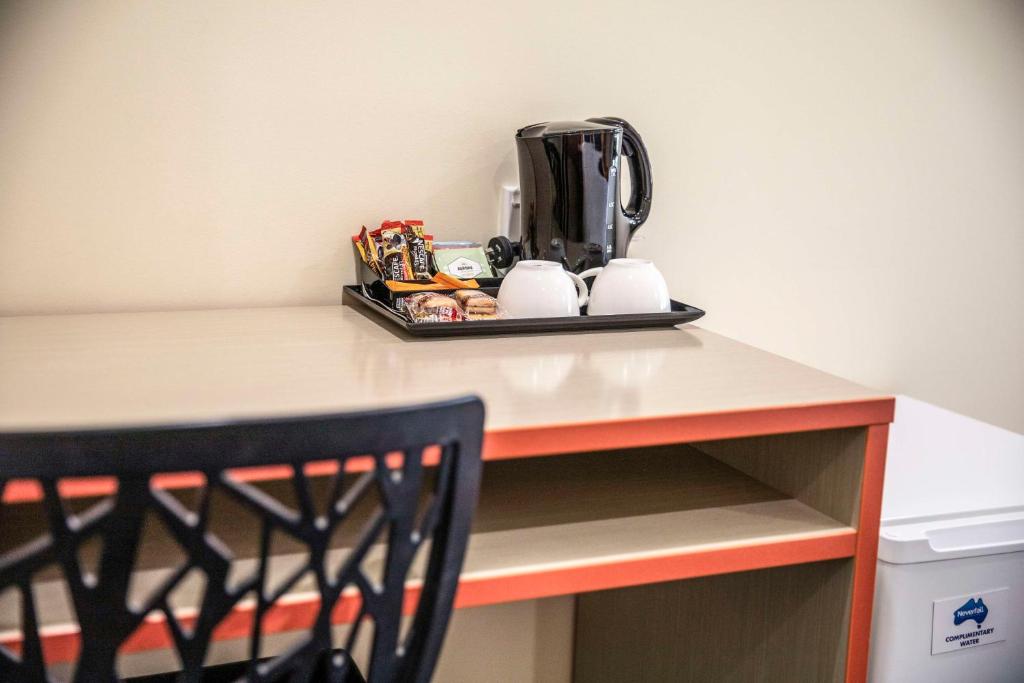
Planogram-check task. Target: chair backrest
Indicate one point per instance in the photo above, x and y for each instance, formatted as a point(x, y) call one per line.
point(387, 445)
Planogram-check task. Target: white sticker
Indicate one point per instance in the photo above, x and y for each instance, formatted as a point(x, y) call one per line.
point(969, 620)
point(464, 268)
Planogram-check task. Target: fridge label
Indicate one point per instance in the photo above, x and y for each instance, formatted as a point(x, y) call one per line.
point(969, 620)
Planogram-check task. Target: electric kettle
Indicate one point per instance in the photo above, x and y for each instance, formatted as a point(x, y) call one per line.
point(571, 208)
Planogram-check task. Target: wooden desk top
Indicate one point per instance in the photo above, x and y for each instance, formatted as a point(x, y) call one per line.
point(83, 371)
point(544, 395)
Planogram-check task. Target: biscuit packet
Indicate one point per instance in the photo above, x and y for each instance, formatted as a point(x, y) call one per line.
point(432, 307)
point(477, 305)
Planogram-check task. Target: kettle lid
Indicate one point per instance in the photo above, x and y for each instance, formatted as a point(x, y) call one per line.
point(556, 128)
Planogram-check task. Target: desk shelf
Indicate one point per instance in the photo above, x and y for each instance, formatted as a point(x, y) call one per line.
point(564, 525)
point(572, 524)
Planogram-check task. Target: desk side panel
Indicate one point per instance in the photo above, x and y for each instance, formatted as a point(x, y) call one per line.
point(822, 469)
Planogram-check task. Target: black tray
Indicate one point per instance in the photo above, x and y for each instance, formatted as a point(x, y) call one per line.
point(680, 313)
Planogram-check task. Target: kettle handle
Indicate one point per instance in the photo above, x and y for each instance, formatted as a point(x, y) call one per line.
point(636, 210)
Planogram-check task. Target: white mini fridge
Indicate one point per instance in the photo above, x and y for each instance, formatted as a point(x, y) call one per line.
point(949, 593)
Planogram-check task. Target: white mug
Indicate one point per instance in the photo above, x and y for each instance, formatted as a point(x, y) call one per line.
point(541, 289)
point(628, 285)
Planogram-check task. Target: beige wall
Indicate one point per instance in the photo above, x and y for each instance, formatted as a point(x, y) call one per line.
point(842, 183)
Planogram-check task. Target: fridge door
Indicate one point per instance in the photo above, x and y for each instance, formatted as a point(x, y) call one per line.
point(953, 536)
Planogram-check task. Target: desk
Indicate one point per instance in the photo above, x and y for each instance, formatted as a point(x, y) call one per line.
point(671, 454)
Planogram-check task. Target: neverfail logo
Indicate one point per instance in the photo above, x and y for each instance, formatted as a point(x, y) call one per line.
point(972, 609)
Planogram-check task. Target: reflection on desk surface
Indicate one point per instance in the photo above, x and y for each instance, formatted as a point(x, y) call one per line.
point(115, 369)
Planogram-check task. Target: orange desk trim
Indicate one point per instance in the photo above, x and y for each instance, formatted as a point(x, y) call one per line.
point(658, 431)
point(29, 490)
point(523, 442)
point(866, 554)
point(294, 612)
point(639, 571)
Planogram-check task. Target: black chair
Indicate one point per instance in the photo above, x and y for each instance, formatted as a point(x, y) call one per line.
point(412, 511)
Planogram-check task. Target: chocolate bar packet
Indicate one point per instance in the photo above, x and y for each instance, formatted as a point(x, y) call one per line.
point(386, 225)
point(428, 241)
point(368, 251)
point(418, 255)
point(395, 255)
